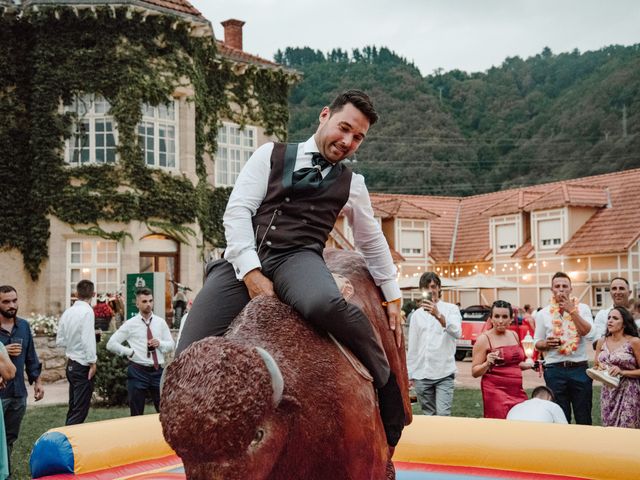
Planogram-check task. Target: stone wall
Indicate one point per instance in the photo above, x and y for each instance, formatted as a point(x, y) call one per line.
point(53, 359)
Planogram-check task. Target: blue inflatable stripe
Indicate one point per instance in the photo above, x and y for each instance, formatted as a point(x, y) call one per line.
point(52, 454)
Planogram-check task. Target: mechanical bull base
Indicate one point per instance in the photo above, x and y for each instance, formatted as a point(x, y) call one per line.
point(275, 399)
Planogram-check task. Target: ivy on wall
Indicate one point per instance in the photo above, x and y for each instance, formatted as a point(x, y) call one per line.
point(49, 56)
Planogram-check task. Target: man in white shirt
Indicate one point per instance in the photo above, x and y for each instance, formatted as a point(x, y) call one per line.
point(76, 333)
point(279, 216)
point(540, 408)
point(564, 329)
point(619, 291)
point(149, 340)
point(431, 361)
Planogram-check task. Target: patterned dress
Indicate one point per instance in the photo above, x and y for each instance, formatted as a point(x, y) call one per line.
point(620, 406)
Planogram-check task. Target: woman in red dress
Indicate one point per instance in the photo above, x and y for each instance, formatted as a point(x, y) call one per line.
point(498, 357)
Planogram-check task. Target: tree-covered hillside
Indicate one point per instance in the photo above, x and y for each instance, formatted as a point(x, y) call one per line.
point(545, 118)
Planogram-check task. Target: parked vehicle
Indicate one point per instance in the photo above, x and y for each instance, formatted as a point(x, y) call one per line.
point(474, 319)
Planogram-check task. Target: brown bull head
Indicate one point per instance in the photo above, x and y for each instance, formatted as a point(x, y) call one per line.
point(220, 410)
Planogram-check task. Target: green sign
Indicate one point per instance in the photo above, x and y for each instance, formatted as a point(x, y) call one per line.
point(134, 282)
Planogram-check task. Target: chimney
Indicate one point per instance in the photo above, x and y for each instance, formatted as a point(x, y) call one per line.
point(233, 33)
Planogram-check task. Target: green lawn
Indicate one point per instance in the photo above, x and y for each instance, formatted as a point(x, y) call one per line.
point(466, 403)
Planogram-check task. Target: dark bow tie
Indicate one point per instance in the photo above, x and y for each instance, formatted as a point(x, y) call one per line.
point(310, 177)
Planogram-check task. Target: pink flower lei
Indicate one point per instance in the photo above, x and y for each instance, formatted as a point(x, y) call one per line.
point(564, 328)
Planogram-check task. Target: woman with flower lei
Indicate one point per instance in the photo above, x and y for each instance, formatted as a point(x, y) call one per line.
point(564, 330)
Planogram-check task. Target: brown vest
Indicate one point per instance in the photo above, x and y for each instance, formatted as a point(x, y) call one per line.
point(287, 219)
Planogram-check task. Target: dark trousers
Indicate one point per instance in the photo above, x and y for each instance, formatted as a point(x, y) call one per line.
point(80, 392)
point(141, 380)
point(572, 388)
point(14, 409)
point(302, 280)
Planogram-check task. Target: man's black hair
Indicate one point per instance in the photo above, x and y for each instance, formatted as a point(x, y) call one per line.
point(427, 278)
point(143, 291)
point(543, 388)
point(85, 289)
point(358, 99)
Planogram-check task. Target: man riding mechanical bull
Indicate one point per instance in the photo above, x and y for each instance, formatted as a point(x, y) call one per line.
point(279, 216)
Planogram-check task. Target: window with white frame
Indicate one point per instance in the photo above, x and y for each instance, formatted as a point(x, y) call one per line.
point(235, 146)
point(94, 136)
point(157, 135)
point(413, 238)
point(506, 238)
point(549, 233)
point(95, 260)
point(600, 295)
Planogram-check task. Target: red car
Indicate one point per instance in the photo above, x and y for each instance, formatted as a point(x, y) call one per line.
point(475, 320)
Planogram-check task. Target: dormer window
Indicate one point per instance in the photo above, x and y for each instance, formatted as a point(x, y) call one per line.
point(549, 234)
point(413, 238)
point(506, 238)
point(506, 233)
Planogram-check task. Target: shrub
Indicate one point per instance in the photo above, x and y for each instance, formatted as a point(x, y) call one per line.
point(111, 376)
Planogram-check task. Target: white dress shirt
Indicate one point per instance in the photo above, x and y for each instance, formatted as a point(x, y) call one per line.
point(537, 410)
point(600, 323)
point(544, 328)
point(432, 348)
point(77, 334)
point(134, 332)
point(249, 192)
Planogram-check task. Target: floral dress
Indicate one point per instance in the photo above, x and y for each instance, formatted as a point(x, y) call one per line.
point(620, 406)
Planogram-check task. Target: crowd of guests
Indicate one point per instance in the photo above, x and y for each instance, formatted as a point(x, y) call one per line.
point(147, 337)
point(564, 334)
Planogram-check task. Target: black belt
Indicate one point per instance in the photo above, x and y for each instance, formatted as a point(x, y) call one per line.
point(567, 364)
point(145, 368)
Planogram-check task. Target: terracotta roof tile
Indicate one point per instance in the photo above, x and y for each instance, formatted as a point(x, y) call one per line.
point(614, 227)
point(401, 208)
point(524, 251)
point(182, 6)
point(442, 225)
point(512, 204)
point(242, 56)
point(570, 195)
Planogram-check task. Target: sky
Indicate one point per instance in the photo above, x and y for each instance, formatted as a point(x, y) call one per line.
point(470, 35)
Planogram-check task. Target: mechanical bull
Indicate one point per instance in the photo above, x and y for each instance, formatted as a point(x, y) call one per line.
point(275, 399)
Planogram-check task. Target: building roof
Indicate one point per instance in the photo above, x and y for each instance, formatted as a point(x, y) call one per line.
point(512, 204)
point(241, 56)
point(181, 7)
point(566, 194)
point(401, 208)
point(460, 233)
point(611, 229)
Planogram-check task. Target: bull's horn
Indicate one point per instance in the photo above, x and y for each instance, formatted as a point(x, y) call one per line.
point(277, 382)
